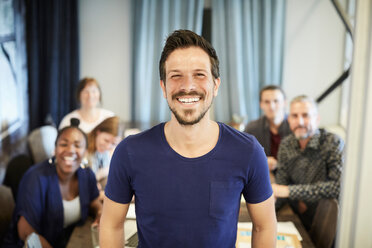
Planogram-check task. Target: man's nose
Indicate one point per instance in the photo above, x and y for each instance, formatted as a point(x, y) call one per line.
point(272, 105)
point(188, 84)
point(301, 121)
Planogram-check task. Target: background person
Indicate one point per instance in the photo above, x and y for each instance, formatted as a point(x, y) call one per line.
point(89, 95)
point(101, 142)
point(272, 126)
point(309, 162)
point(55, 195)
point(189, 173)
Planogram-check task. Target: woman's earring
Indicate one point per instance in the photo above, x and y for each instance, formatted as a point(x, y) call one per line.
point(51, 160)
point(84, 163)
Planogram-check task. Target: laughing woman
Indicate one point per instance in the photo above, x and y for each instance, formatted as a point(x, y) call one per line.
point(56, 195)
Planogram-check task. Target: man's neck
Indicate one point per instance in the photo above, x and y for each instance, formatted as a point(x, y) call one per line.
point(275, 123)
point(303, 143)
point(192, 140)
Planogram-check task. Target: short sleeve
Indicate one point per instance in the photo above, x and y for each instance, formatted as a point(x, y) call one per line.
point(119, 188)
point(258, 186)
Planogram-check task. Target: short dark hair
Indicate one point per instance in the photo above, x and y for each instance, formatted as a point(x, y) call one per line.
point(271, 87)
point(83, 83)
point(185, 39)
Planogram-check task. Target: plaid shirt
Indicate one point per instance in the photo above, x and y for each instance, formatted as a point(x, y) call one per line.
point(315, 172)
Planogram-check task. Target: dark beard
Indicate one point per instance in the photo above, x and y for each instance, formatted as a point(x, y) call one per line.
point(184, 122)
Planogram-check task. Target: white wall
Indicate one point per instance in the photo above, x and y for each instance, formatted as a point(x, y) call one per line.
point(105, 39)
point(314, 48)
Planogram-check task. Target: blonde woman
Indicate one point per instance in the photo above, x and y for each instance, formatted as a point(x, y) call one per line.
point(89, 95)
point(101, 142)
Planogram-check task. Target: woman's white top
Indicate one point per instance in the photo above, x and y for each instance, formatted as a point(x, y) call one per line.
point(86, 126)
point(71, 211)
point(100, 164)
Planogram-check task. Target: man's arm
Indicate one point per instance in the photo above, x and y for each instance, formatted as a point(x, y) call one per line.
point(111, 232)
point(264, 223)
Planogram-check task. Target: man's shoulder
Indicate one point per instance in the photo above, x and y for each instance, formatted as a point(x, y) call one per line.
point(142, 139)
point(255, 125)
point(232, 136)
point(330, 138)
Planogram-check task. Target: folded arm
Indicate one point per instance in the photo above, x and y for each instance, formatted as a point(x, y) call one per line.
point(25, 229)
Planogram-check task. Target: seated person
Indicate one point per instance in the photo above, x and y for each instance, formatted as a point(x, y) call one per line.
point(89, 96)
point(309, 162)
point(56, 194)
point(272, 127)
point(101, 142)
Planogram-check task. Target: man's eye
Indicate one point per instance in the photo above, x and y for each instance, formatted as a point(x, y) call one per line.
point(200, 75)
point(176, 76)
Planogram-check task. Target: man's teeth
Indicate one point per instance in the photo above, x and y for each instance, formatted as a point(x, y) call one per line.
point(69, 158)
point(188, 100)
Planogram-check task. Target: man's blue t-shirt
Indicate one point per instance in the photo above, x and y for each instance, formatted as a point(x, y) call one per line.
point(188, 202)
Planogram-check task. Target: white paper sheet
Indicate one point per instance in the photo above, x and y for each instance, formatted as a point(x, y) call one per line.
point(283, 227)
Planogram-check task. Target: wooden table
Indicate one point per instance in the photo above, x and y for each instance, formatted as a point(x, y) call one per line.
point(285, 214)
point(81, 236)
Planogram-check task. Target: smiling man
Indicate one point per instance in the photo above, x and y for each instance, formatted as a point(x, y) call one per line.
point(188, 174)
point(309, 161)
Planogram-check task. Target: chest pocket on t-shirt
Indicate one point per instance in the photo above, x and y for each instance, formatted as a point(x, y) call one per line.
point(224, 199)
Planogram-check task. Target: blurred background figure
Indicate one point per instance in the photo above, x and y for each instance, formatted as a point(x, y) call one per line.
point(310, 162)
point(102, 141)
point(55, 195)
point(89, 95)
point(272, 126)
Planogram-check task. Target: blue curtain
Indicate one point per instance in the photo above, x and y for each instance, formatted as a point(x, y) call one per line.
point(153, 21)
point(248, 36)
point(53, 58)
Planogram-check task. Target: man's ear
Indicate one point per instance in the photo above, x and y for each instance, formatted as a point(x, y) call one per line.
point(217, 83)
point(162, 85)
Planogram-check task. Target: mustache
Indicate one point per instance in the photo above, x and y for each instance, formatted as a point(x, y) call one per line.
point(191, 93)
point(300, 126)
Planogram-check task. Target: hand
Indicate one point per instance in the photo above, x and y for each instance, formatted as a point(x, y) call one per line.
point(97, 219)
point(272, 163)
point(280, 191)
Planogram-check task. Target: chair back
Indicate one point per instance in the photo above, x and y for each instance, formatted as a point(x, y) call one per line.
point(323, 229)
point(17, 166)
point(41, 142)
point(6, 210)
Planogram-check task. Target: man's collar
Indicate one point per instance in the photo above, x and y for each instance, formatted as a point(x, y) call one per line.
point(314, 141)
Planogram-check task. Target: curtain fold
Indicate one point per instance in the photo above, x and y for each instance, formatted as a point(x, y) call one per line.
point(248, 36)
point(53, 59)
point(152, 23)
